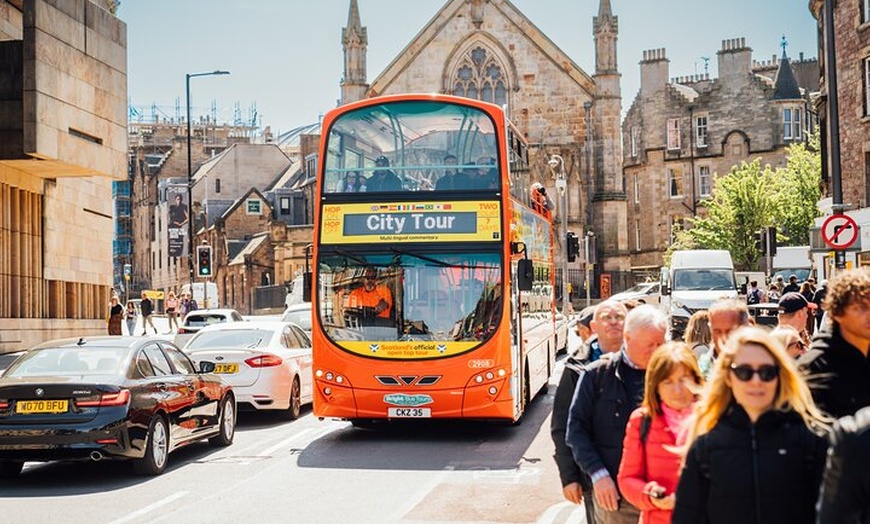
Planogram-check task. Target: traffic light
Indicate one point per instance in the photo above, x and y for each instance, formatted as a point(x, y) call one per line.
point(760, 244)
point(771, 240)
point(204, 260)
point(573, 245)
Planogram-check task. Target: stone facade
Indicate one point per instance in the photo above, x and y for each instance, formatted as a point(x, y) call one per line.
point(679, 134)
point(852, 46)
point(63, 117)
point(549, 98)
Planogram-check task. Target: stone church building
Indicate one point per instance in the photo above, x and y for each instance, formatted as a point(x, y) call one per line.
point(489, 50)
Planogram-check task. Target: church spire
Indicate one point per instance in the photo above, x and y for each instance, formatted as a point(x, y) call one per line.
point(354, 41)
point(604, 10)
point(605, 27)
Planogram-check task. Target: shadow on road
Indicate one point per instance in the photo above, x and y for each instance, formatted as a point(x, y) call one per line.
point(456, 444)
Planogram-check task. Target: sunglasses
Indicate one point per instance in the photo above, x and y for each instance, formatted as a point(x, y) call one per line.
point(744, 372)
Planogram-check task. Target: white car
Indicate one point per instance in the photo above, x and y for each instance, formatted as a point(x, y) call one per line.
point(646, 293)
point(268, 363)
point(200, 318)
point(299, 314)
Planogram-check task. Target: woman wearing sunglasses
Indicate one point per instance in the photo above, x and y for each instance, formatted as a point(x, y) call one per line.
point(754, 455)
point(650, 464)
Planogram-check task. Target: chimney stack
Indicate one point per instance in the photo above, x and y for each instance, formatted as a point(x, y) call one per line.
point(735, 59)
point(654, 70)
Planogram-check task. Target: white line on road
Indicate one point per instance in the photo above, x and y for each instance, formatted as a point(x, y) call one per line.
point(151, 507)
point(297, 436)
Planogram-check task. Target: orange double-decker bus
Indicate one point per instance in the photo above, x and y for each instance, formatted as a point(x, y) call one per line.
point(432, 271)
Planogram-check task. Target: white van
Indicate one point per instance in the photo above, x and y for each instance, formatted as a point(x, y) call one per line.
point(695, 279)
point(205, 294)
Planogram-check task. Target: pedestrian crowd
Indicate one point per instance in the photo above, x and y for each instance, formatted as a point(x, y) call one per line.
point(738, 424)
point(174, 308)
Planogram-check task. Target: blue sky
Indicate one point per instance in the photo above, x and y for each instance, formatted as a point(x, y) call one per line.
point(285, 56)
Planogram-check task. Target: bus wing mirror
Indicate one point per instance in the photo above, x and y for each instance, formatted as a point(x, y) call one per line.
point(525, 274)
point(306, 286)
point(743, 288)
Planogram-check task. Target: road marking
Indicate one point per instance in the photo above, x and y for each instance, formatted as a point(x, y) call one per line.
point(412, 501)
point(577, 515)
point(268, 451)
point(151, 507)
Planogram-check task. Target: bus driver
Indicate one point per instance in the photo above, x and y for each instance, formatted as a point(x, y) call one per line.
point(375, 300)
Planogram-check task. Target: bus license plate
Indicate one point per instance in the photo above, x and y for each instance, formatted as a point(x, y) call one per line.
point(226, 369)
point(409, 412)
point(29, 407)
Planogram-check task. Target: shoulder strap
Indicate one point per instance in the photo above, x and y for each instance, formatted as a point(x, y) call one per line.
point(645, 423)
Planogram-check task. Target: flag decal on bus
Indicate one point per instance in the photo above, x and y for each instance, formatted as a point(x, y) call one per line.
point(374, 347)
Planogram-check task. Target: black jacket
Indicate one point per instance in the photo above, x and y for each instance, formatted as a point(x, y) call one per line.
point(568, 470)
point(845, 495)
point(763, 473)
point(146, 307)
point(606, 394)
point(837, 372)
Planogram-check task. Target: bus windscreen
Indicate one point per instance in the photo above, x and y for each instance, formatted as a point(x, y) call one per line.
point(447, 303)
point(419, 145)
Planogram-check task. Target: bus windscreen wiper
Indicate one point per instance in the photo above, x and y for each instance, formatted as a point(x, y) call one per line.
point(439, 263)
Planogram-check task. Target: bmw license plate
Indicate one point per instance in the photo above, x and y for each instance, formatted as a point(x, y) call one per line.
point(409, 412)
point(30, 407)
point(226, 369)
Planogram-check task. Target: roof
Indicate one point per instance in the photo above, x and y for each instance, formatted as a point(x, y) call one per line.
point(252, 246)
point(786, 86)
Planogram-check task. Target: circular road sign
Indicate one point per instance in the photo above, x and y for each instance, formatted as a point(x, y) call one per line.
point(839, 231)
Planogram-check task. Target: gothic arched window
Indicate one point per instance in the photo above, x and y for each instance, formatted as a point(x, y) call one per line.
point(480, 75)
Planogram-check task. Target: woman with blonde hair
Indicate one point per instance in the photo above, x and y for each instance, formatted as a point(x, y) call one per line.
point(698, 334)
point(650, 464)
point(753, 452)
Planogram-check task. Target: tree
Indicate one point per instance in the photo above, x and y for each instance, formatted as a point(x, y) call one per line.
point(751, 197)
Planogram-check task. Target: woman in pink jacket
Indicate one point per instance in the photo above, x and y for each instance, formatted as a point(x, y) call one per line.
point(650, 466)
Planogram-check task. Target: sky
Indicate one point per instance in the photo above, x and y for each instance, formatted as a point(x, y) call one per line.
point(285, 56)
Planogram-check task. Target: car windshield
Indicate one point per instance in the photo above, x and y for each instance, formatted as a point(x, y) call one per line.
point(231, 338)
point(300, 317)
point(411, 296)
point(68, 361)
point(640, 288)
point(410, 146)
point(703, 280)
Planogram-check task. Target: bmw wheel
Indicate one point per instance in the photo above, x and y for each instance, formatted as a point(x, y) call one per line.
point(156, 450)
point(227, 424)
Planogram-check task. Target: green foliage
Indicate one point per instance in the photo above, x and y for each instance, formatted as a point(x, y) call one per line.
point(751, 197)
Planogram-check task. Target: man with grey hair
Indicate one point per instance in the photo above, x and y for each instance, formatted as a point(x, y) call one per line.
point(607, 392)
point(726, 315)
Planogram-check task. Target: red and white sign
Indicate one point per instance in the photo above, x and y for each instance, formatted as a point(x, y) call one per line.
point(840, 231)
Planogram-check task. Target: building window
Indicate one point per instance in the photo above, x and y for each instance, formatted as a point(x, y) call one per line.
point(637, 233)
point(791, 124)
point(285, 205)
point(673, 133)
point(865, 11)
point(637, 189)
point(701, 131)
point(635, 137)
point(675, 183)
point(480, 75)
point(678, 223)
point(217, 185)
point(866, 178)
point(866, 80)
point(704, 181)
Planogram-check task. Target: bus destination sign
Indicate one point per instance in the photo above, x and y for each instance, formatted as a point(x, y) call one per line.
point(411, 222)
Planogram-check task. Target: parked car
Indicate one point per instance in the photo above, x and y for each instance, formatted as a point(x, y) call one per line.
point(109, 398)
point(268, 363)
point(646, 293)
point(299, 314)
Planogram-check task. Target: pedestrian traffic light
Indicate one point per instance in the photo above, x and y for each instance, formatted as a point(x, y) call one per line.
point(759, 241)
point(204, 260)
point(573, 246)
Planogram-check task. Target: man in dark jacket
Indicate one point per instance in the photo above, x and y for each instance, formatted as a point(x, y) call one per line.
point(837, 365)
point(607, 392)
point(845, 494)
point(147, 308)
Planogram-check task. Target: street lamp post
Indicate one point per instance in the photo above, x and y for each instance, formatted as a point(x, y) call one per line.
point(561, 185)
point(190, 245)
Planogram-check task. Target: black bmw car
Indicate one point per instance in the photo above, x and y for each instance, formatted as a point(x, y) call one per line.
point(109, 398)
